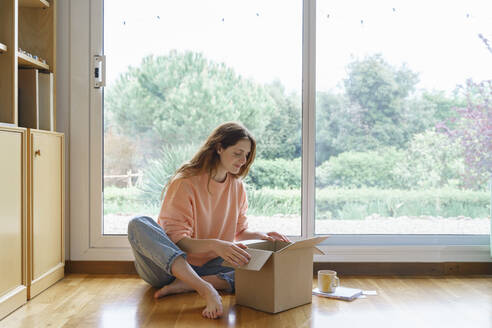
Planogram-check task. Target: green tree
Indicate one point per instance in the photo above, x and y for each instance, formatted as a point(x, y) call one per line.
point(425, 111)
point(282, 135)
point(377, 92)
point(330, 121)
point(179, 98)
point(471, 126)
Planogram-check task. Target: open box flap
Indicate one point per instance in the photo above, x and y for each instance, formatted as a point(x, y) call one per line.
point(258, 259)
point(253, 242)
point(310, 242)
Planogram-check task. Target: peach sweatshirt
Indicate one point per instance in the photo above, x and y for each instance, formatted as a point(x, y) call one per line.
point(190, 210)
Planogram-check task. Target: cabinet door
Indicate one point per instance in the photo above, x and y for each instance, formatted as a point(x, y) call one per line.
point(46, 223)
point(12, 223)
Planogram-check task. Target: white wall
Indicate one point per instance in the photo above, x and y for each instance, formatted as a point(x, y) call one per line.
point(62, 101)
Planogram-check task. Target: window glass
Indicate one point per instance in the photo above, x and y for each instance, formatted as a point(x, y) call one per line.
point(177, 69)
point(402, 111)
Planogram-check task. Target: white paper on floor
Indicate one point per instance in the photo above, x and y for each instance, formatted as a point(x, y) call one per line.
point(366, 293)
point(369, 292)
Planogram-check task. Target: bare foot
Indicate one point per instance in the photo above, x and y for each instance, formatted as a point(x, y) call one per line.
point(213, 310)
point(176, 287)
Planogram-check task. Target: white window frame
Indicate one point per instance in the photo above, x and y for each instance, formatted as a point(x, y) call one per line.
point(87, 241)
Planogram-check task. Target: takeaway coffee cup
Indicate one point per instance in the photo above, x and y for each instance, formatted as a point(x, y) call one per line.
point(327, 281)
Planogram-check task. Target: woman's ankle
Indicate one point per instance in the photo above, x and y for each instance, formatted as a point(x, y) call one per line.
point(217, 283)
point(205, 289)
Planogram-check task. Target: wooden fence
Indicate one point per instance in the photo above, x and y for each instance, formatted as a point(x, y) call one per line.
point(127, 178)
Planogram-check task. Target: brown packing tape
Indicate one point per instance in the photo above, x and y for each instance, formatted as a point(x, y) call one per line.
point(258, 259)
point(318, 251)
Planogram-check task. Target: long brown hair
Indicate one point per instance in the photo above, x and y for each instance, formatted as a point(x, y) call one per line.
point(207, 159)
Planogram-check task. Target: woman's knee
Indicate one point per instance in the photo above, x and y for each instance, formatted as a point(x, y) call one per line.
point(136, 225)
point(151, 273)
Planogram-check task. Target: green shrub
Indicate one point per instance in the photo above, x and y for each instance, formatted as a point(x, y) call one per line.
point(160, 170)
point(269, 202)
point(431, 161)
point(127, 201)
point(360, 169)
point(359, 203)
point(275, 174)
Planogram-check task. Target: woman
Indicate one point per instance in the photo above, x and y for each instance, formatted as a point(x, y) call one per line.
point(202, 215)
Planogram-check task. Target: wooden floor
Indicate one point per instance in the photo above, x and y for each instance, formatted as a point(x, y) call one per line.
point(126, 301)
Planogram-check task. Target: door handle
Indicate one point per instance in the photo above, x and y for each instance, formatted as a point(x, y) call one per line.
point(99, 66)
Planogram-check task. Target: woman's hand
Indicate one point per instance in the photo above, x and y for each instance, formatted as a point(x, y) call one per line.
point(232, 253)
point(272, 236)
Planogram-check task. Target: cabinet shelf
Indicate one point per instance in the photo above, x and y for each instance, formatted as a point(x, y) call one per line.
point(26, 61)
point(27, 40)
point(34, 3)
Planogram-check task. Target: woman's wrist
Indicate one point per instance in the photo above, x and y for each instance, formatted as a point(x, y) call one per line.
point(209, 245)
point(190, 245)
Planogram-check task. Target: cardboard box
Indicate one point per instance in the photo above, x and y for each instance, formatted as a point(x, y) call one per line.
point(279, 275)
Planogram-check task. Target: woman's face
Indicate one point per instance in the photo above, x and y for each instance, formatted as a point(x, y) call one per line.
point(234, 157)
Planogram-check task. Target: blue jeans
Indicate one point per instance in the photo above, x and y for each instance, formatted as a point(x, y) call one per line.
point(155, 253)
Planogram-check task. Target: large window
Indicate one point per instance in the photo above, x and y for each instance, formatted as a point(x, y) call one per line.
point(177, 69)
point(371, 112)
point(400, 145)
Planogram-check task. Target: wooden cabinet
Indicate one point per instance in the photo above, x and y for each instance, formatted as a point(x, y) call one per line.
point(31, 161)
point(13, 255)
point(46, 210)
point(32, 254)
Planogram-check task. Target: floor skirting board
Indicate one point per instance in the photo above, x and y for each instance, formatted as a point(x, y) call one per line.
point(100, 267)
